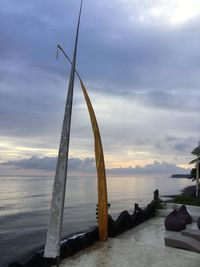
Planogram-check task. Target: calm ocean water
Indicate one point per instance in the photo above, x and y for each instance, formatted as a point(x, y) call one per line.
point(25, 202)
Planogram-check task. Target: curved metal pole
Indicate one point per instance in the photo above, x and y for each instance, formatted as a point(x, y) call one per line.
point(100, 164)
point(52, 248)
point(63, 51)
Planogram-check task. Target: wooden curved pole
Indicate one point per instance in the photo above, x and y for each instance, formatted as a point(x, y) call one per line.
point(101, 173)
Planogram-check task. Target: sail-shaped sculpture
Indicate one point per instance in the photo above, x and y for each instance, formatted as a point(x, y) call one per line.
point(101, 173)
point(100, 165)
point(52, 248)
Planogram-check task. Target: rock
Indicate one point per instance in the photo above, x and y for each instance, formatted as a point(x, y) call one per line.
point(39, 261)
point(15, 264)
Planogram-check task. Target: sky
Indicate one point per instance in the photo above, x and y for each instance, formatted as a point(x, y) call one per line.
point(139, 60)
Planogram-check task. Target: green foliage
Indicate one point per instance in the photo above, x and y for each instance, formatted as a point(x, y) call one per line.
point(187, 200)
point(195, 161)
point(161, 205)
point(193, 174)
point(196, 151)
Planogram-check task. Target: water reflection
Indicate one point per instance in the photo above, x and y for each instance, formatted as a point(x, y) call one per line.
point(25, 204)
point(22, 194)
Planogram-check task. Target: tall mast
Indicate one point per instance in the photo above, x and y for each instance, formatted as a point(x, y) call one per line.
point(52, 248)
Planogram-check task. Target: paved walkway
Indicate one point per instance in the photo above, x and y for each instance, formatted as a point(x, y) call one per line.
point(143, 246)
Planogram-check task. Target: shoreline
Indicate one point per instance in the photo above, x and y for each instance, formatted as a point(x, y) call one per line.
point(187, 192)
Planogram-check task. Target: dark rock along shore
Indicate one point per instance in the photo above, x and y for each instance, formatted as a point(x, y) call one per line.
point(188, 191)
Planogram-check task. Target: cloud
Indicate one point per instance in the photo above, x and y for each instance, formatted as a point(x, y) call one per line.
point(153, 168)
point(49, 164)
point(181, 147)
point(187, 102)
point(45, 163)
point(87, 165)
point(140, 55)
point(141, 70)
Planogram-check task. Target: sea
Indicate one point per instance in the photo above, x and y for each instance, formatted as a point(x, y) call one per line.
point(25, 204)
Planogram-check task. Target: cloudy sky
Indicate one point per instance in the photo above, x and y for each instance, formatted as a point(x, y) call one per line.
point(139, 60)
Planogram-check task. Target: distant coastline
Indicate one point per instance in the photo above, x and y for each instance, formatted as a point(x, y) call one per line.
point(180, 176)
point(187, 191)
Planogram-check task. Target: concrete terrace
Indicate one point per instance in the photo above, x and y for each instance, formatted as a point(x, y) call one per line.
point(142, 246)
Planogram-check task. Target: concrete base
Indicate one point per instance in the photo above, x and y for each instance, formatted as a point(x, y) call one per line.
point(143, 246)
